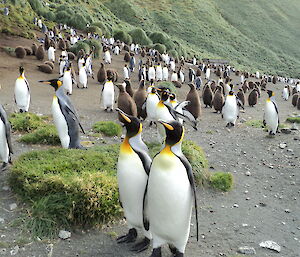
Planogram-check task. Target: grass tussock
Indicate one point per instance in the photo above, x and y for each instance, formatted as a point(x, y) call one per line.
point(46, 135)
point(67, 187)
point(293, 119)
point(222, 181)
point(107, 128)
point(26, 122)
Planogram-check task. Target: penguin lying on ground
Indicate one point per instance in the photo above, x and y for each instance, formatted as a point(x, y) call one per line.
point(5, 141)
point(170, 194)
point(132, 172)
point(22, 92)
point(271, 118)
point(65, 116)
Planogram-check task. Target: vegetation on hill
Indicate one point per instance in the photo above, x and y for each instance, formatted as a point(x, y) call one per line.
point(253, 35)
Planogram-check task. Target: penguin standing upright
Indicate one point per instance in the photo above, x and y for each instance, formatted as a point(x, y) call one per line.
point(241, 96)
point(101, 75)
point(67, 80)
point(22, 92)
point(108, 95)
point(83, 76)
point(207, 96)
point(151, 103)
point(230, 110)
point(271, 118)
point(5, 141)
point(170, 194)
point(128, 87)
point(125, 102)
point(253, 97)
point(132, 172)
point(140, 96)
point(285, 93)
point(65, 116)
point(51, 53)
point(195, 105)
point(218, 100)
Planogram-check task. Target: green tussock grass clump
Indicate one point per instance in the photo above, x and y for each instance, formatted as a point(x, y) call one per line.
point(255, 123)
point(293, 119)
point(196, 157)
point(80, 45)
point(26, 122)
point(107, 128)
point(222, 181)
point(167, 84)
point(46, 135)
point(139, 36)
point(123, 36)
point(95, 30)
point(67, 187)
point(97, 47)
point(160, 48)
point(10, 51)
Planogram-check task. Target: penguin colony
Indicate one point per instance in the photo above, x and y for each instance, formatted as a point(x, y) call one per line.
point(155, 194)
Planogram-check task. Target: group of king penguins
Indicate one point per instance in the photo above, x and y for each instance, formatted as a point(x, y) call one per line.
point(157, 195)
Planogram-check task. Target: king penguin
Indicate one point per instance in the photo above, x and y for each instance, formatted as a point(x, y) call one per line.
point(22, 92)
point(83, 80)
point(65, 116)
point(230, 110)
point(108, 96)
point(5, 141)
point(67, 80)
point(271, 118)
point(151, 103)
point(132, 172)
point(170, 194)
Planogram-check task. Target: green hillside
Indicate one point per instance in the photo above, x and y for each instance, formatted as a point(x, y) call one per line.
point(253, 34)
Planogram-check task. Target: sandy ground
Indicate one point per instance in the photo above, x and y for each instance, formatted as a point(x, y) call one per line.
point(264, 205)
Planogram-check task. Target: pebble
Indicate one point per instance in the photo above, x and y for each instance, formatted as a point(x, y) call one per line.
point(296, 138)
point(15, 250)
point(248, 173)
point(63, 234)
point(5, 188)
point(236, 205)
point(287, 211)
point(246, 250)
point(282, 145)
point(1, 220)
point(13, 206)
point(2, 251)
point(270, 245)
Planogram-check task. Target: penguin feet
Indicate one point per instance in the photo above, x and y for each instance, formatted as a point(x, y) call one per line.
point(21, 111)
point(129, 237)
point(156, 252)
point(4, 166)
point(141, 246)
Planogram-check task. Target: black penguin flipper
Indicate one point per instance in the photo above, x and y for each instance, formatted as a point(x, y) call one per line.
point(190, 175)
point(145, 218)
point(172, 111)
point(188, 117)
point(145, 159)
point(75, 118)
point(6, 123)
point(239, 103)
point(27, 84)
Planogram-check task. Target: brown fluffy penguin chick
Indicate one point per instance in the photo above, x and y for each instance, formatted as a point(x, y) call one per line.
point(294, 91)
point(116, 76)
point(126, 57)
point(251, 84)
point(218, 100)
point(295, 99)
point(298, 103)
point(34, 48)
point(245, 87)
point(198, 72)
point(240, 95)
point(252, 98)
point(110, 74)
point(62, 45)
point(71, 56)
point(46, 42)
point(177, 84)
point(40, 53)
point(195, 104)
point(20, 52)
point(28, 51)
point(213, 86)
point(126, 48)
point(45, 68)
point(143, 53)
point(101, 75)
point(140, 96)
point(125, 102)
point(51, 64)
point(207, 96)
point(128, 88)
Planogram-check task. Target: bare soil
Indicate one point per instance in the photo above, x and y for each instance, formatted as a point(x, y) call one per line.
point(263, 205)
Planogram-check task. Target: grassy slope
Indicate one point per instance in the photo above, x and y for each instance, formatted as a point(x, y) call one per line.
point(254, 35)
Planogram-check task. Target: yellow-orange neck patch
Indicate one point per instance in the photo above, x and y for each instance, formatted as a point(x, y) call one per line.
point(167, 150)
point(125, 146)
point(161, 104)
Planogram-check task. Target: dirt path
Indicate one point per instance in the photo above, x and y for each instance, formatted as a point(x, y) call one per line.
point(266, 200)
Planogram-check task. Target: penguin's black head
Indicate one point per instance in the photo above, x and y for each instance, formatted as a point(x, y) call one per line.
point(127, 82)
point(21, 69)
point(153, 90)
point(174, 132)
point(164, 96)
point(52, 82)
point(132, 124)
point(191, 85)
point(270, 93)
